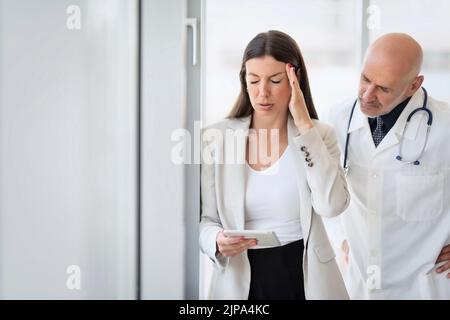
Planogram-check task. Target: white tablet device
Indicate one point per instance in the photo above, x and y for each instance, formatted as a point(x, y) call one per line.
point(264, 237)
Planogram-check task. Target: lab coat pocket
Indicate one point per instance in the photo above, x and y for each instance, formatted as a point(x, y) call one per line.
point(419, 198)
point(434, 286)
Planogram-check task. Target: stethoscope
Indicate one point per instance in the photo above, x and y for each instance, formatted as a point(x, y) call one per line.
point(399, 157)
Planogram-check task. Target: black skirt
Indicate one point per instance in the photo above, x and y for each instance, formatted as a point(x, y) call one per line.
point(277, 273)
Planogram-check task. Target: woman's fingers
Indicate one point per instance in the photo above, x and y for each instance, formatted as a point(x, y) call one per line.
point(290, 71)
point(230, 246)
point(242, 244)
point(239, 248)
point(296, 93)
point(231, 240)
point(295, 85)
point(223, 239)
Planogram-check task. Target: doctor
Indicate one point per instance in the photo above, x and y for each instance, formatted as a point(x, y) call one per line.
point(397, 227)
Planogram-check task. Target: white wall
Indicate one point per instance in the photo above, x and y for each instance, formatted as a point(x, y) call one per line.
point(68, 104)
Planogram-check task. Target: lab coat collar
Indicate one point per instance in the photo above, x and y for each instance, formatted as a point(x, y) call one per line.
point(415, 102)
point(359, 120)
point(396, 134)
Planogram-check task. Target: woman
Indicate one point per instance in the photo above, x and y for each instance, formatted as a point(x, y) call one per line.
point(286, 194)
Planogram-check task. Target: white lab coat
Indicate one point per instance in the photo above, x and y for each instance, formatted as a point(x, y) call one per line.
point(399, 214)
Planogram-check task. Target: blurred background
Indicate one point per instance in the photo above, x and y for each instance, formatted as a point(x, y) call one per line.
point(92, 205)
point(332, 35)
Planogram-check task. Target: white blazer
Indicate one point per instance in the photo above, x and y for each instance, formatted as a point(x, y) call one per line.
point(322, 191)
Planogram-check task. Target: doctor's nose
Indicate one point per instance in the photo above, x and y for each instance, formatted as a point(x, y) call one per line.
point(369, 93)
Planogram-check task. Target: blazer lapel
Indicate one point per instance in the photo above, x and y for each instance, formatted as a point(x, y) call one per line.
point(304, 196)
point(235, 170)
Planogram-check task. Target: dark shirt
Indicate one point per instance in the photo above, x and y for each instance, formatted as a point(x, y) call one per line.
point(389, 119)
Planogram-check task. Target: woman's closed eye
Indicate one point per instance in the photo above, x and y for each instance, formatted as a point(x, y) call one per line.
point(273, 81)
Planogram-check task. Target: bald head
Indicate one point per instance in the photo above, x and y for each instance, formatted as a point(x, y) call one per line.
point(390, 73)
point(397, 52)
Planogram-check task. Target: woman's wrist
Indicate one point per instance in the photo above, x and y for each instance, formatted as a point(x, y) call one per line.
point(304, 126)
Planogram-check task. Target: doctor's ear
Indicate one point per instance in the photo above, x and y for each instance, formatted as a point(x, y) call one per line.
point(416, 84)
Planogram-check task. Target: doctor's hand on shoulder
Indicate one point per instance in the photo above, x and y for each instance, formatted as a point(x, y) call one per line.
point(297, 104)
point(232, 246)
point(444, 256)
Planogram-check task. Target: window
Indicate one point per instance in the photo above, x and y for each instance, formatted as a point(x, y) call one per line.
point(426, 21)
point(325, 31)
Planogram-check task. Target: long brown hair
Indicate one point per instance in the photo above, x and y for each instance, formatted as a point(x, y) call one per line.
point(283, 48)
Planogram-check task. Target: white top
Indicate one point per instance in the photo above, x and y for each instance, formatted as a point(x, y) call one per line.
point(272, 199)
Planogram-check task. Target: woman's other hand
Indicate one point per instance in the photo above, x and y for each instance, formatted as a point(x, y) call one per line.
point(232, 246)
